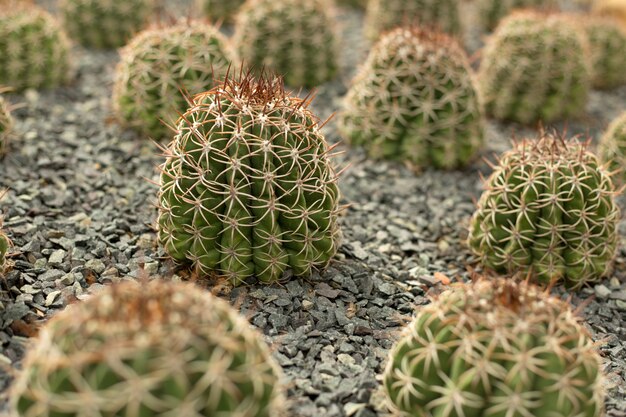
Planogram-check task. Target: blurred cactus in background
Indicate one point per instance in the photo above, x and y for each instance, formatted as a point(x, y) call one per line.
point(6, 124)
point(219, 10)
point(612, 148)
point(607, 46)
point(492, 11)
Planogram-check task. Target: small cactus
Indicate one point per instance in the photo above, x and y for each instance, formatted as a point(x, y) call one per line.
point(495, 348)
point(492, 11)
point(219, 10)
point(105, 24)
point(291, 37)
point(607, 41)
point(384, 15)
point(158, 64)
point(248, 188)
point(612, 148)
point(151, 349)
point(548, 209)
point(415, 99)
point(535, 68)
point(34, 50)
point(6, 125)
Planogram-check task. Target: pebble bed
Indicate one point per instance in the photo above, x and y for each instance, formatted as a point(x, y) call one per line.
point(81, 210)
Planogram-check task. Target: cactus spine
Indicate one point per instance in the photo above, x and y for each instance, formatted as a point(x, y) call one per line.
point(607, 41)
point(612, 148)
point(492, 11)
point(248, 188)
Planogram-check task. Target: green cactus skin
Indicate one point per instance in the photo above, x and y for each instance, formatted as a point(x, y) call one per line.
point(548, 209)
point(535, 68)
point(294, 38)
point(492, 11)
point(105, 24)
point(160, 62)
point(34, 50)
point(6, 125)
point(156, 349)
point(494, 349)
point(415, 99)
point(248, 188)
point(219, 10)
point(607, 45)
point(612, 148)
point(384, 15)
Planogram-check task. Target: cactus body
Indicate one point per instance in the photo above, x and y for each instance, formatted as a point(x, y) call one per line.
point(247, 188)
point(548, 208)
point(607, 45)
point(535, 68)
point(493, 349)
point(105, 24)
point(219, 10)
point(612, 148)
point(5, 244)
point(415, 99)
point(159, 64)
point(156, 349)
point(492, 11)
point(384, 15)
point(6, 125)
point(34, 51)
point(293, 38)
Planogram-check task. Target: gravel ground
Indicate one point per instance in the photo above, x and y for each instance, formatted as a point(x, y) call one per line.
point(80, 211)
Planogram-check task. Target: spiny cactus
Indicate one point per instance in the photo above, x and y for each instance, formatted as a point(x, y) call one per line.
point(151, 349)
point(491, 11)
point(291, 37)
point(219, 10)
point(612, 147)
point(415, 99)
point(383, 15)
point(548, 208)
point(535, 67)
point(607, 42)
point(248, 188)
point(158, 64)
point(105, 23)
point(495, 348)
point(6, 124)
point(34, 50)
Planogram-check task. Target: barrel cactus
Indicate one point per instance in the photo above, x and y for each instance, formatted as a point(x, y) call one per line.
point(612, 148)
point(34, 50)
point(151, 349)
point(607, 41)
point(491, 11)
point(291, 37)
point(161, 62)
point(219, 10)
point(548, 209)
point(383, 15)
point(415, 99)
point(105, 24)
point(495, 348)
point(248, 188)
point(6, 124)
point(535, 68)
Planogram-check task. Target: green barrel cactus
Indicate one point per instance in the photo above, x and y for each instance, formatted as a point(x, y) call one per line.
point(248, 188)
point(607, 42)
point(415, 99)
point(535, 68)
point(384, 15)
point(6, 124)
point(34, 50)
point(495, 348)
point(291, 37)
point(492, 11)
point(548, 209)
point(612, 148)
point(105, 24)
point(153, 349)
point(160, 63)
point(219, 10)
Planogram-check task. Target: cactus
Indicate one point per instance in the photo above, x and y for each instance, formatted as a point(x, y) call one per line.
point(607, 41)
point(160, 62)
point(34, 50)
point(6, 124)
point(152, 349)
point(356, 4)
point(105, 24)
point(535, 67)
point(492, 11)
point(548, 208)
point(495, 348)
point(415, 99)
point(5, 244)
point(383, 15)
point(248, 188)
point(612, 148)
point(291, 37)
point(219, 10)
